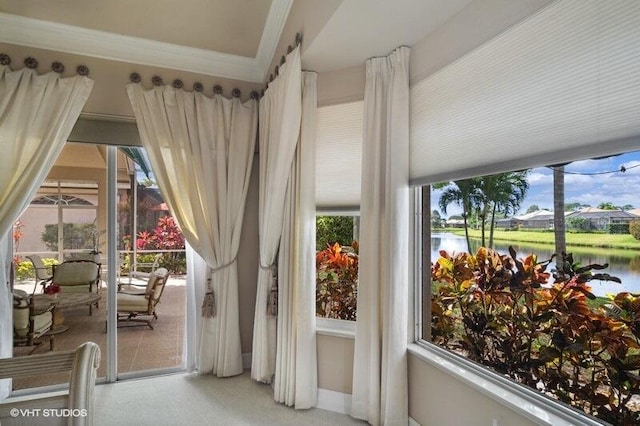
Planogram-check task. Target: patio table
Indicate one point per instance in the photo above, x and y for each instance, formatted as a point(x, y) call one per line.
point(42, 302)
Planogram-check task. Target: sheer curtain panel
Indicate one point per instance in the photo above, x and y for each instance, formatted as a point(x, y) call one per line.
point(380, 393)
point(201, 151)
point(280, 114)
point(37, 113)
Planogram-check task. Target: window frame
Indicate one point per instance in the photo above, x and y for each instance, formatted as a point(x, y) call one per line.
point(332, 326)
point(520, 398)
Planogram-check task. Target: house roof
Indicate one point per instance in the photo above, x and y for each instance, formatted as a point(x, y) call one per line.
point(594, 213)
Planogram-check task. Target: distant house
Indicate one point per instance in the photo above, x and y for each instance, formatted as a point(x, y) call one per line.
point(635, 212)
point(455, 223)
point(599, 219)
point(539, 219)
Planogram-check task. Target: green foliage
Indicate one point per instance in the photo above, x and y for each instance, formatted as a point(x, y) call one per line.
point(618, 228)
point(579, 224)
point(494, 309)
point(533, 208)
point(76, 236)
point(165, 236)
point(634, 228)
point(485, 198)
point(24, 269)
point(436, 220)
point(332, 229)
point(337, 282)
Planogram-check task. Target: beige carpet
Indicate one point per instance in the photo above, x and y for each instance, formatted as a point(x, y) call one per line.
point(189, 399)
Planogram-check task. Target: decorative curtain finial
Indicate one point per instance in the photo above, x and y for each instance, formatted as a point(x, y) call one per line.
point(31, 63)
point(282, 60)
point(57, 67)
point(289, 49)
point(134, 77)
point(298, 39)
point(4, 59)
point(276, 70)
point(82, 70)
point(255, 95)
point(156, 80)
point(177, 84)
point(236, 93)
point(198, 87)
point(217, 89)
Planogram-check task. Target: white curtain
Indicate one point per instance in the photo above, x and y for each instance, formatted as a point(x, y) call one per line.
point(280, 115)
point(37, 113)
point(201, 151)
point(296, 382)
point(380, 363)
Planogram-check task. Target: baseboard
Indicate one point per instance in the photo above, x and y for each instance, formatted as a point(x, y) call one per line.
point(246, 361)
point(337, 402)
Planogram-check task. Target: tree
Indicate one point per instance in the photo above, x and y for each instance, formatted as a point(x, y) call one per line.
point(533, 208)
point(558, 213)
point(509, 191)
point(75, 236)
point(461, 193)
point(608, 206)
point(627, 207)
point(574, 206)
point(333, 229)
point(436, 219)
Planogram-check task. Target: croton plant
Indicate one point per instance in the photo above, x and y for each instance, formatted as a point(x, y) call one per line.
point(504, 312)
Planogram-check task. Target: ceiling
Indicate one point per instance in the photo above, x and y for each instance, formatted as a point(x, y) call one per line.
point(227, 38)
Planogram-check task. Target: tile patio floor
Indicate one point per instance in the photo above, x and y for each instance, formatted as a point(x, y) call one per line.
point(139, 348)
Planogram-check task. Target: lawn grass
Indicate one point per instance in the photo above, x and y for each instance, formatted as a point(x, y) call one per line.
point(609, 241)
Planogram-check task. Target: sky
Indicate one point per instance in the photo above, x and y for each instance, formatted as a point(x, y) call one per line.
point(581, 185)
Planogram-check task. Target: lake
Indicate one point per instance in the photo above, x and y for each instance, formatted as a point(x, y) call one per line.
point(622, 264)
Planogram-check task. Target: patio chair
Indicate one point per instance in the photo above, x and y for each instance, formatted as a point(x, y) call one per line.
point(78, 276)
point(138, 304)
point(152, 266)
point(28, 325)
point(82, 364)
point(42, 272)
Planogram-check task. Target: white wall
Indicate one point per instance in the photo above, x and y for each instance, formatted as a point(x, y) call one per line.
point(436, 398)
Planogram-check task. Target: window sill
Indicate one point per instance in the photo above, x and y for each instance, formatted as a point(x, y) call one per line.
point(336, 328)
point(519, 398)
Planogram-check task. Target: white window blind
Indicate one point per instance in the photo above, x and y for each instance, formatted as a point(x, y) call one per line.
point(339, 156)
point(562, 85)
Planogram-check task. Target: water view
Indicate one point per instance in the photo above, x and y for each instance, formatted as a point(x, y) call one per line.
point(624, 264)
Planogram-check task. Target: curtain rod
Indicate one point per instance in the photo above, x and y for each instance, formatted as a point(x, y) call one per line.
point(177, 83)
point(32, 63)
point(290, 48)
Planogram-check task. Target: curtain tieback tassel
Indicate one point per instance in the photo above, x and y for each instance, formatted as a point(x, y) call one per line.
point(209, 302)
point(272, 299)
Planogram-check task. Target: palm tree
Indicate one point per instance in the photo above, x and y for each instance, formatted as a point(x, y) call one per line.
point(558, 212)
point(510, 191)
point(462, 193)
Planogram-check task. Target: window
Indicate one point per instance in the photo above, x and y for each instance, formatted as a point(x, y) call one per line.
point(559, 88)
point(337, 266)
point(338, 170)
point(498, 297)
